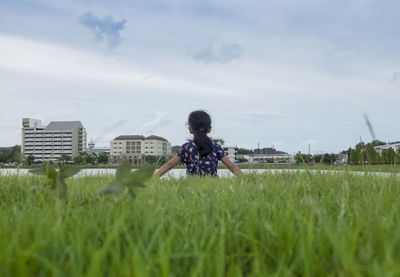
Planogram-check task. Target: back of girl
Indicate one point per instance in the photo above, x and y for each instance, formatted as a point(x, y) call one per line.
point(200, 155)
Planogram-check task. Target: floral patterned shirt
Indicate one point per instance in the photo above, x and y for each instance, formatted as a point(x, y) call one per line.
point(196, 165)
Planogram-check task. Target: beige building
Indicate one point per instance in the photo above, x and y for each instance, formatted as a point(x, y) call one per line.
point(48, 143)
point(134, 148)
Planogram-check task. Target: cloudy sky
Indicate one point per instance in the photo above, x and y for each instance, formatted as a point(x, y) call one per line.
point(289, 73)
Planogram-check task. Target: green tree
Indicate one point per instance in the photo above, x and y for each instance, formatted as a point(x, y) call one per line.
point(3, 158)
point(91, 159)
point(88, 159)
point(329, 158)
point(244, 151)
point(102, 158)
point(77, 160)
point(302, 158)
point(30, 160)
point(150, 159)
point(64, 158)
point(377, 142)
point(242, 160)
point(391, 154)
point(384, 157)
point(175, 148)
point(371, 155)
point(161, 160)
point(359, 151)
point(153, 160)
point(16, 154)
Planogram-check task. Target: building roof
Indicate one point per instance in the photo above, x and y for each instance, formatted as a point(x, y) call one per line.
point(129, 137)
point(63, 125)
point(156, 138)
point(387, 146)
point(138, 137)
point(218, 140)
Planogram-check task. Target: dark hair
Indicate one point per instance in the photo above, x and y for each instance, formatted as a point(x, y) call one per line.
point(200, 122)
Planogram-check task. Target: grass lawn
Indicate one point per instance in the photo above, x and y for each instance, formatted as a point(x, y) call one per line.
point(290, 224)
point(363, 168)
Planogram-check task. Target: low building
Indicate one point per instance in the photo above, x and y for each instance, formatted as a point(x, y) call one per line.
point(271, 158)
point(134, 148)
point(100, 150)
point(385, 147)
point(49, 143)
point(220, 141)
point(265, 151)
point(231, 152)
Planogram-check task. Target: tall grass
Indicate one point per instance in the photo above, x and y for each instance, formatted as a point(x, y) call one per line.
point(267, 224)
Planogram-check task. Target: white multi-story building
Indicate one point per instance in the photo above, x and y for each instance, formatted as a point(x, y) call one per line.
point(48, 143)
point(134, 148)
point(231, 152)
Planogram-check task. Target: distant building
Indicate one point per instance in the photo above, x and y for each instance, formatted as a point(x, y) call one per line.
point(156, 146)
point(231, 152)
point(101, 150)
point(134, 148)
point(49, 143)
point(220, 141)
point(271, 158)
point(265, 151)
point(385, 147)
point(97, 150)
point(342, 159)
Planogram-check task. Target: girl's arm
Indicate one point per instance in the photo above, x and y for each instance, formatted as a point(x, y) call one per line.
point(167, 166)
point(231, 166)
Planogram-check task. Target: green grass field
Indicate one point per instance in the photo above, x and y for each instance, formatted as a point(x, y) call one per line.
point(292, 224)
point(361, 168)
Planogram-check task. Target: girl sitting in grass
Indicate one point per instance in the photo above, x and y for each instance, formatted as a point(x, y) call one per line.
point(201, 154)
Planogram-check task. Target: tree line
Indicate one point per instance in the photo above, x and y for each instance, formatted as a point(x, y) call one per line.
point(10, 154)
point(327, 159)
point(364, 153)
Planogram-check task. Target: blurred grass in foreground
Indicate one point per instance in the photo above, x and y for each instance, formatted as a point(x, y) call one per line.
point(257, 225)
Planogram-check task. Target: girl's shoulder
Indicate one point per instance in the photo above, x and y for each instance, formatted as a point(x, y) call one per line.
point(189, 143)
point(216, 145)
point(187, 146)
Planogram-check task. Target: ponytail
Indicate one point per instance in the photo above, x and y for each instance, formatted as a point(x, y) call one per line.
point(200, 122)
point(203, 143)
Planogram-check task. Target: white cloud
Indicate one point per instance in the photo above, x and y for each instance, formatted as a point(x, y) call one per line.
point(54, 61)
point(395, 77)
point(108, 133)
point(218, 52)
point(258, 113)
point(152, 126)
point(302, 76)
point(105, 29)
